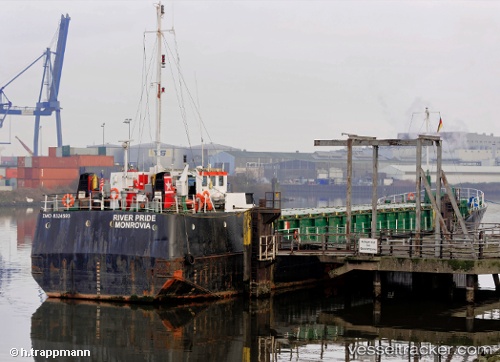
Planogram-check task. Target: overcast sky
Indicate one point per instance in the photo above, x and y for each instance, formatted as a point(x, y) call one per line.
point(268, 75)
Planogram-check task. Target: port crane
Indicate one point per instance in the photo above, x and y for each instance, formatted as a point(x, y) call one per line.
point(51, 79)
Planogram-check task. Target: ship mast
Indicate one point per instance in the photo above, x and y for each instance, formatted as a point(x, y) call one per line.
point(159, 11)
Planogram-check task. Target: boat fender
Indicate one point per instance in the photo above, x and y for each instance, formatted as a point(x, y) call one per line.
point(296, 235)
point(189, 259)
point(68, 200)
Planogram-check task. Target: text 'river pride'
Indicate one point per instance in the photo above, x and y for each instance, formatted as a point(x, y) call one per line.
point(130, 221)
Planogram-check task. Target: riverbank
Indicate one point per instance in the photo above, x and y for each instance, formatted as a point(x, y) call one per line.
point(26, 197)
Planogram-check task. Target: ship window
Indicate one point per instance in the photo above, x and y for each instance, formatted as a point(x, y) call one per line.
point(221, 180)
point(204, 182)
point(212, 181)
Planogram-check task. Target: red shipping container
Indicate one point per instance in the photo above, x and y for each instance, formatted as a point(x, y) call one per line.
point(11, 173)
point(54, 184)
point(55, 162)
point(21, 173)
point(20, 161)
point(52, 151)
point(59, 173)
point(89, 160)
point(28, 173)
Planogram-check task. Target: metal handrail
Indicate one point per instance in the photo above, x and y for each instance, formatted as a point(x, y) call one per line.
point(482, 244)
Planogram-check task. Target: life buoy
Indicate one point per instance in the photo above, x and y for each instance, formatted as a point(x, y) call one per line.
point(68, 200)
point(189, 204)
point(207, 200)
point(114, 193)
point(411, 196)
point(199, 202)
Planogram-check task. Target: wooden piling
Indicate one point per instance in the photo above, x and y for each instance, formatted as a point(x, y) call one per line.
point(469, 288)
point(377, 285)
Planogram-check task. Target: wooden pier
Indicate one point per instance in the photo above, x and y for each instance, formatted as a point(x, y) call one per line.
point(426, 232)
point(472, 254)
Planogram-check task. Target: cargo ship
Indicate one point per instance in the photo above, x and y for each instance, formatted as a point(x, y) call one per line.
point(177, 234)
point(152, 235)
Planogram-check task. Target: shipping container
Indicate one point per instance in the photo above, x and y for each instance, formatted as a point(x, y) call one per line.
point(28, 162)
point(52, 151)
point(13, 183)
point(74, 151)
point(21, 173)
point(95, 161)
point(65, 151)
point(51, 173)
point(54, 184)
point(28, 173)
point(8, 160)
point(58, 173)
point(21, 161)
point(55, 162)
point(11, 172)
point(3, 171)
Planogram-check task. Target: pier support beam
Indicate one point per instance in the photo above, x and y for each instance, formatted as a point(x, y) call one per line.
point(470, 284)
point(258, 275)
point(496, 280)
point(377, 285)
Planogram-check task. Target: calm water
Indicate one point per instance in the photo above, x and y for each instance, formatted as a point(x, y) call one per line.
point(317, 325)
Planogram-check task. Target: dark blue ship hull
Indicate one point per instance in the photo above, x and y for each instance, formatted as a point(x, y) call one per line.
point(123, 255)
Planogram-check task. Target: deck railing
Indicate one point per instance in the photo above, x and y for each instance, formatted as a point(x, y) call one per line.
point(73, 201)
point(482, 243)
point(474, 197)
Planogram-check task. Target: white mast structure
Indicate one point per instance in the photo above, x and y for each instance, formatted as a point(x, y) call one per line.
point(159, 14)
point(160, 11)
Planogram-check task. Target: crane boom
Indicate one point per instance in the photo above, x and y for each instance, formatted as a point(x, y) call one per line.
point(51, 80)
point(25, 146)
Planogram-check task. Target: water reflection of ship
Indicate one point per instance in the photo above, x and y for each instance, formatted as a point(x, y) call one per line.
point(119, 332)
point(292, 323)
